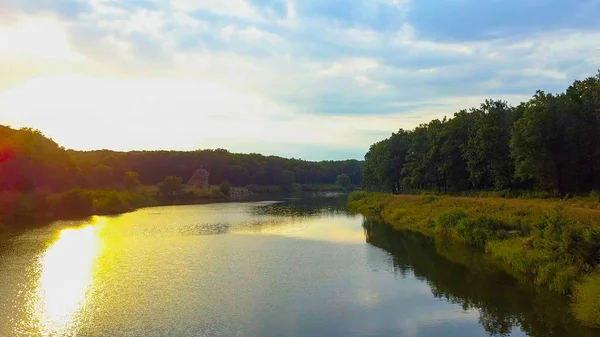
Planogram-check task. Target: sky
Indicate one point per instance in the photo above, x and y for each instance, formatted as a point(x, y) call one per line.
point(310, 79)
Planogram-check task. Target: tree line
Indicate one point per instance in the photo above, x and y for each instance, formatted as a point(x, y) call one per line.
point(549, 143)
point(29, 161)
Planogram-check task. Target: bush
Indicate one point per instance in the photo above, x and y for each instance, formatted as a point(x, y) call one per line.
point(595, 194)
point(75, 203)
point(428, 199)
point(478, 232)
point(357, 195)
point(450, 219)
point(110, 203)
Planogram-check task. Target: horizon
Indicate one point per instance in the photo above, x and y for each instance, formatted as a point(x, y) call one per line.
point(309, 80)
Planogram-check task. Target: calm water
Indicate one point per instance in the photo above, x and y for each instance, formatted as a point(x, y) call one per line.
point(293, 268)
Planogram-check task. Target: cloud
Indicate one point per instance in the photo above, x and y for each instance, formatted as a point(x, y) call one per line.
point(343, 73)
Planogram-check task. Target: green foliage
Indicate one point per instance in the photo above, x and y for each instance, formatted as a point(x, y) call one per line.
point(286, 181)
point(75, 203)
point(344, 181)
point(109, 202)
point(225, 187)
point(357, 195)
point(549, 143)
point(428, 199)
point(595, 194)
point(447, 221)
point(478, 232)
point(101, 176)
point(170, 188)
point(29, 161)
point(487, 151)
point(131, 180)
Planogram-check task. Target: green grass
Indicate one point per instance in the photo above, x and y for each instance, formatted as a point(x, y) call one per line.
point(554, 243)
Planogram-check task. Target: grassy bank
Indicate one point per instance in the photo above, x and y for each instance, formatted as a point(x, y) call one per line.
point(553, 243)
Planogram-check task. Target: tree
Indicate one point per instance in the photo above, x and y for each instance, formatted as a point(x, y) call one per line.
point(170, 187)
point(101, 176)
point(75, 202)
point(131, 180)
point(286, 180)
point(225, 187)
point(487, 151)
point(343, 180)
point(538, 143)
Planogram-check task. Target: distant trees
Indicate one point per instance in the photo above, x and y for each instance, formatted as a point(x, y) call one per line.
point(131, 180)
point(29, 161)
point(343, 180)
point(102, 175)
point(551, 142)
point(286, 180)
point(170, 187)
point(75, 202)
point(225, 187)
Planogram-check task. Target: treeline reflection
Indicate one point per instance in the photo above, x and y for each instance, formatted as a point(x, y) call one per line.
point(466, 277)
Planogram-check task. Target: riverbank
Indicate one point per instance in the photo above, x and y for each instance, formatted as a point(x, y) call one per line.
point(36, 208)
point(552, 243)
point(23, 210)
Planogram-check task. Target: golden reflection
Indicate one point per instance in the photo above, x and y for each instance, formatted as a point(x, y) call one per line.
point(66, 276)
point(324, 229)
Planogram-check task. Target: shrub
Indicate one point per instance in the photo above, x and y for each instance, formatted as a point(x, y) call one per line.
point(428, 199)
point(478, 232)
point(450, 219)
point(595, 194)
point(357, 195)
point(110, 203)
point(75, 203)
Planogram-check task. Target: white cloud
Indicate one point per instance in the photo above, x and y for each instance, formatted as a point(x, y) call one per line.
point(155, 69)
point(355, 36)
point(250, 33)
point(236, 8)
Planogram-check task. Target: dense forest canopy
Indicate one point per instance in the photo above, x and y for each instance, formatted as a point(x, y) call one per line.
point(29, 160)
point(551, 142)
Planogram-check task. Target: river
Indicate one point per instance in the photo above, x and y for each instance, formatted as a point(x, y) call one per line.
point(297, 267)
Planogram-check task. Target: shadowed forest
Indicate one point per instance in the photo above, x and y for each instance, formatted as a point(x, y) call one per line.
point(40, 180)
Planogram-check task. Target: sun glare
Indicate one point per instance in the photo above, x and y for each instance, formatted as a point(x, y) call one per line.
point(41, 38)
point(66, 278)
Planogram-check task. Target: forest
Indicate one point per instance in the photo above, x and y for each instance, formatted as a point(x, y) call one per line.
point(40, 180)
point(550, 143)
point(29, 160)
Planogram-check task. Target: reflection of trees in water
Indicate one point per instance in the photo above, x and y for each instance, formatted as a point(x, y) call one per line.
point(466, 277)
point(306, 207)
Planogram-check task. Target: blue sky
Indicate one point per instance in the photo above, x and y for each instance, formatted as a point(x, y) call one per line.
point(296, 78)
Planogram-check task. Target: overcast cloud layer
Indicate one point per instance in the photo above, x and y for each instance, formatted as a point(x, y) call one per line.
point(318, 79)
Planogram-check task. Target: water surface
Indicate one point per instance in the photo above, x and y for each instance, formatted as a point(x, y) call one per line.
point(292, 268)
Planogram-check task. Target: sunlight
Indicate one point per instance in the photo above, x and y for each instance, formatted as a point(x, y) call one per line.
point(41, 38)
point(66, 277)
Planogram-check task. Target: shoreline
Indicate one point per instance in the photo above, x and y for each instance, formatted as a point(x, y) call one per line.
point(146, 202)
point(553, 244)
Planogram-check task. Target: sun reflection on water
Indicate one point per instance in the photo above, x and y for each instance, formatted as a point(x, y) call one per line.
point(66, 277)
